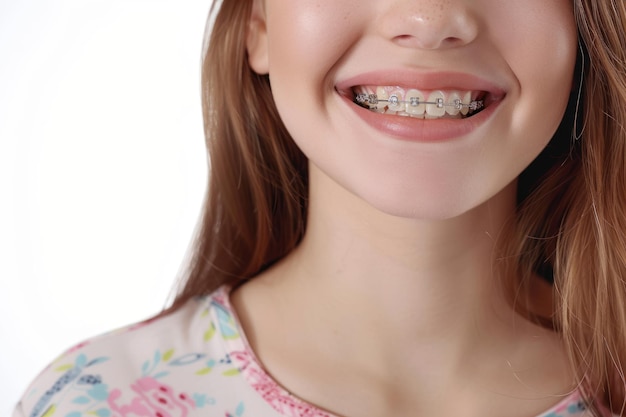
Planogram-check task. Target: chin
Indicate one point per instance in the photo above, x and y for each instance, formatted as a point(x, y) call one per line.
point(420, 207)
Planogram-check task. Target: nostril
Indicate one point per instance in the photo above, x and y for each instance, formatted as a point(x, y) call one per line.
point(429, 24)
point(428, 42)
point(404, 38)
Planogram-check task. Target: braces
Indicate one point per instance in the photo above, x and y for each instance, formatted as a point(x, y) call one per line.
point(372, 99)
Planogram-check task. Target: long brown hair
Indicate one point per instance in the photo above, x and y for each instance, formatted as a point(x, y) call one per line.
point(571, 223)
point(255, 207)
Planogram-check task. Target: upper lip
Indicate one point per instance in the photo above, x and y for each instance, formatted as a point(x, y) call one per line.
point(426, 81)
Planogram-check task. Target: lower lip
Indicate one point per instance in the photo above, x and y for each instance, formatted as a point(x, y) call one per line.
point(423, 130)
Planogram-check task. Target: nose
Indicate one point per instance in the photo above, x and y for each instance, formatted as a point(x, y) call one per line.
point(428, 24)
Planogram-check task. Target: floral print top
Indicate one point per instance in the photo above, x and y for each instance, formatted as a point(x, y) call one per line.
point(193, 362)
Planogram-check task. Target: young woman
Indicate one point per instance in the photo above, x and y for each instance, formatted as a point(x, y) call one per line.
point(416, 207)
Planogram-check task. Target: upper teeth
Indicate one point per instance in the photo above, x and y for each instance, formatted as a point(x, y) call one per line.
point(415, 103)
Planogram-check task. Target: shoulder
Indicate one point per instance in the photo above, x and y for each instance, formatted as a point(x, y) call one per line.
point(170, 365)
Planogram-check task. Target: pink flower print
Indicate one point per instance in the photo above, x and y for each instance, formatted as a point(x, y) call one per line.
point(151, 398)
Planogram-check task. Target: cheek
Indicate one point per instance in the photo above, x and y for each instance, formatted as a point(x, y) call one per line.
point(308, 35)
point(307, 41)
point(540, 48)
point(540, 45)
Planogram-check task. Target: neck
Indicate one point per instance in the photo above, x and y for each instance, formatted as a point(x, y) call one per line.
point(433, 277)
point(391, 299)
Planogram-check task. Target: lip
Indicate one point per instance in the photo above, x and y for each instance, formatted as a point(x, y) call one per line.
point(425, 81)
point(422, 130)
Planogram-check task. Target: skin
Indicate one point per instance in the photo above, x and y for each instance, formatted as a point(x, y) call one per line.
point(391, 304)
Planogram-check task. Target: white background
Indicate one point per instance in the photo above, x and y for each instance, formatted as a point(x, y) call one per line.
point(102, 169)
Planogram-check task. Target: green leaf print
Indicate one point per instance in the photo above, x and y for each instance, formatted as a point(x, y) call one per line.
point(204, 371)
point(231, 372)
point(208, 335)
point(50, 411)
point(168, 355)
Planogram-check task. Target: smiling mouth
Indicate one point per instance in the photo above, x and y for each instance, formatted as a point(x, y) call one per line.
point(437, 104)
